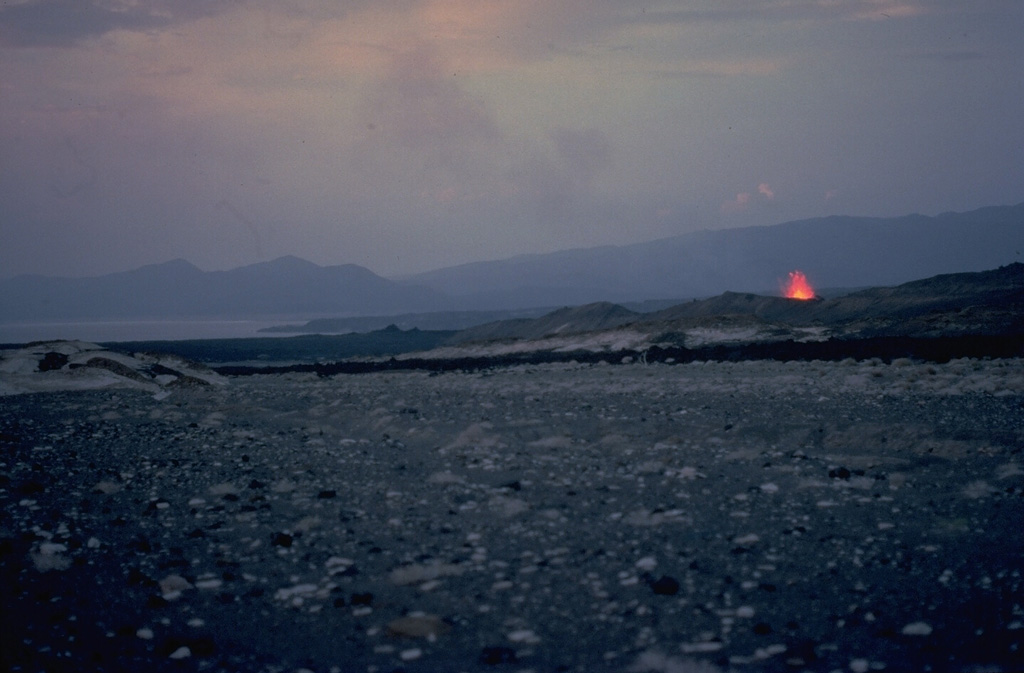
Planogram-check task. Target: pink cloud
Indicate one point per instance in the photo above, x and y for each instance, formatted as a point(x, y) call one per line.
point(738, 204)
point(765, 190)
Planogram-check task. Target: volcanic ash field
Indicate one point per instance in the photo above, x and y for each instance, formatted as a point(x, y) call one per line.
point(705, 517)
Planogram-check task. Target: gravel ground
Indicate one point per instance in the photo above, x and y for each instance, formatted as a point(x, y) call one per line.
point(704, 517)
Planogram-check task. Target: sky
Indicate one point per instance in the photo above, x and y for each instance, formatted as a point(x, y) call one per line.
point(408, 135)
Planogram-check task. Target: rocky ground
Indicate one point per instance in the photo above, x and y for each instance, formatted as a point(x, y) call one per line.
point(753, 516)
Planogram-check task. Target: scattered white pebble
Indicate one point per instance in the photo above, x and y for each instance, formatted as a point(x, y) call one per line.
point(860, 665)
point(209, 584)
point(647, 563)
point(226, 488)
point(523, 636)
point(769, 488)
point(745, 611)
point(287, 593)
point(747, 539)
point(338, 564)
point(709, 646)
point(145, 633)
point(410, 654)
point(917, 629)
point(196, 622)
point(181, 653)
point(50, 548)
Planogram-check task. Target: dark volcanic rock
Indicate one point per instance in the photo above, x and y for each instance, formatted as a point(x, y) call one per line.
point(547, 517)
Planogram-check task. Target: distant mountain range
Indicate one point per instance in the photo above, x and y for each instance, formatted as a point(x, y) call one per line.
point(834, 252)
point(975, 314)
point(972, 303)
point(287, 286)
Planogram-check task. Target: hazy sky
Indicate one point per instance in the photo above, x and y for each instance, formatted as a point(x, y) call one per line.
point(405, 135)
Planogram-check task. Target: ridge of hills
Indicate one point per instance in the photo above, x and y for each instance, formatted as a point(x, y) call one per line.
point(974, 315)
point(977, 314)
point(284, 286)
point(838, 251)
point(986, 302)
point(568, 320)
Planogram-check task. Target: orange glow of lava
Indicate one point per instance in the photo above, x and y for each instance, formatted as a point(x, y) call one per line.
point(798, 287)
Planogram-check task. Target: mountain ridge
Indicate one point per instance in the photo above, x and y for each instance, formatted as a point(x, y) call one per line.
point(985, 302)
point(834, 251)
point(286, 285)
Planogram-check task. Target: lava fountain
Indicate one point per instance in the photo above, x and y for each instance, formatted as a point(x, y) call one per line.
point(798, 287)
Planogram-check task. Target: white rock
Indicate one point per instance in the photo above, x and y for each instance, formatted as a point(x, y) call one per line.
point(209, 584)
point(287, 593)
point(181, 653)
point(523, 636)
point(50, 548)
point(693, 648)
point(917, 629)
point(174, 583)
point(647, 563)
point(226, 488)
point(415, 574)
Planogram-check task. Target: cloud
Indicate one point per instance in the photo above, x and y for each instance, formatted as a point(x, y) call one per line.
point(420, 103)
point(557, 186)
point(880, 10)
point(783, 10)
point(737, 205)
point(68, 22)
point(744, 201)
point(64, 22)
point(583, 152)
point(723, 67)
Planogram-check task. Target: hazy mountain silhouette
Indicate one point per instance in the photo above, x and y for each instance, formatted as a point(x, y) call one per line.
point(833, 251)
point(986, 302)
point(284, 286)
